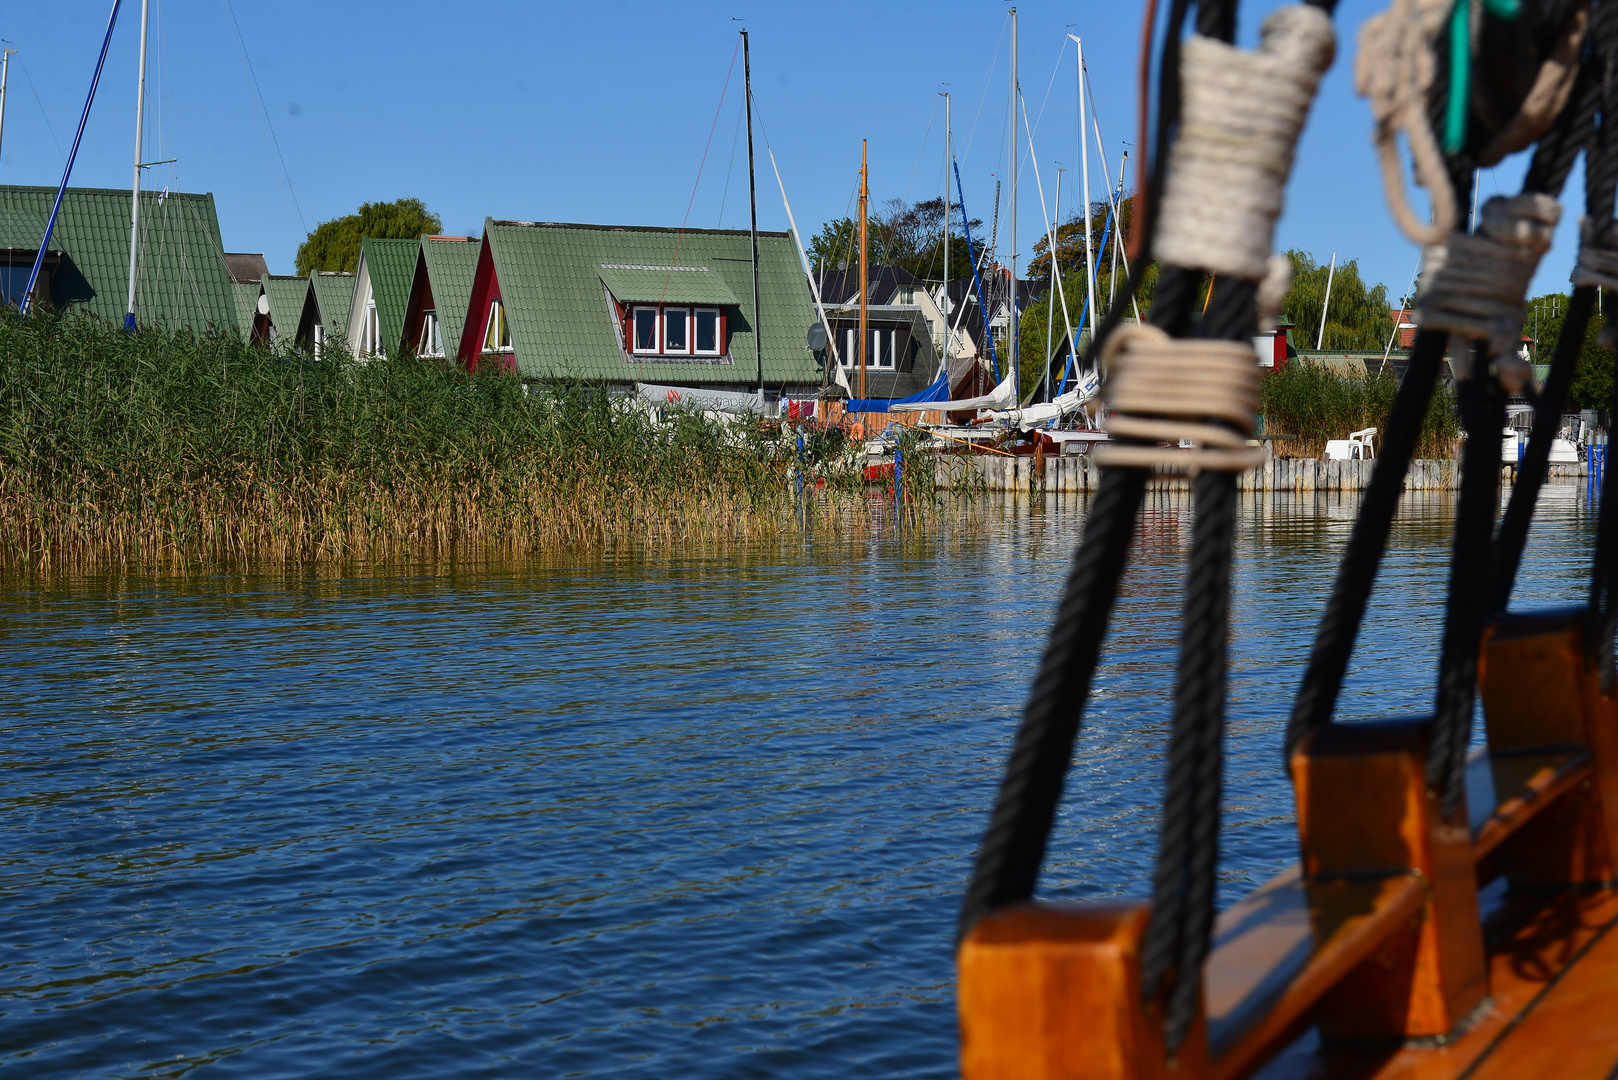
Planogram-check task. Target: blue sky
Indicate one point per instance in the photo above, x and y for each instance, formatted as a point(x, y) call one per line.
point(602, 113)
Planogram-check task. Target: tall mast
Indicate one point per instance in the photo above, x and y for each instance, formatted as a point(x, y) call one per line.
point(949, 152)
point(1011, 312)
point(752, 199)
point(134, 199)
point(5, 62)
point(1084, 168)
point(865, 195)
point(1050, 308)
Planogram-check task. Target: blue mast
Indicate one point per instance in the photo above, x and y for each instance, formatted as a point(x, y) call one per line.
point(56, 207)
point(966, 226)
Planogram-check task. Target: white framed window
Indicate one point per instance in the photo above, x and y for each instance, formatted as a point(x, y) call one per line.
point(432, 342)
point(851, 355)
point(319, 337)
point(643, 325)
point(677, 330)
point(707, 332)
point(881, 354)
point(498, 336)
point(371, 332)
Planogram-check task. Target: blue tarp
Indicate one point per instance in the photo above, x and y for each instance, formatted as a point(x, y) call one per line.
point(938, 391)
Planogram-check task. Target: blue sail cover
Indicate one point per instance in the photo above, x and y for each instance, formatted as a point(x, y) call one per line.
point(938, 391)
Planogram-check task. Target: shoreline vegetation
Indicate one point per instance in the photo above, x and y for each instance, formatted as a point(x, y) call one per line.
point(165, 447)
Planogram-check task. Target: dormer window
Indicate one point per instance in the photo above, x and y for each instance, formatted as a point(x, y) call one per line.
point(371, 332)
point(498, 336)
point(675, 331)
point(432, 341)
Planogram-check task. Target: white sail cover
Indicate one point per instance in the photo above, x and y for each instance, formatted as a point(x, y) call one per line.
point(1003, 396)
point(1035, 415)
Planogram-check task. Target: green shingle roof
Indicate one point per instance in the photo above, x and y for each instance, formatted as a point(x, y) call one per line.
point(392, 266)
point(561, 320)
point(674, 285)
point(287, 296)
point(334, 295)
point(245, 295)
point(182, 276)
point(451, 265)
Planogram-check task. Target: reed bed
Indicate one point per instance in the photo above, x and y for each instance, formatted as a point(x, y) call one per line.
point(163, 447)
point(1316, 404)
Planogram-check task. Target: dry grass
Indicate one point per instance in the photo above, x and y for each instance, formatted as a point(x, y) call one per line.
point(161, 447)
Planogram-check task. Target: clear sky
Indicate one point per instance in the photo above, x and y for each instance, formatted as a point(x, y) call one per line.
point(602, 112)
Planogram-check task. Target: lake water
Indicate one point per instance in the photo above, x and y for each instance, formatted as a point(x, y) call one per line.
point(707, 816)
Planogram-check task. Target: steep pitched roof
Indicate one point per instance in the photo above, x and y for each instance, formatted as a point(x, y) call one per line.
point(245, 296)
point(562, 322)
point(182, 278)
point(451, 262)
point(287, 296)
point(881, 283)
point(334, 295)
point(390, 264)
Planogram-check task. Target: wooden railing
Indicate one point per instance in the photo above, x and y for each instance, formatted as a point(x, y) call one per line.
point(1376, 934)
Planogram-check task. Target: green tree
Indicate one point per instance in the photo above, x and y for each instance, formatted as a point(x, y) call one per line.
point(907, 235)
point(335, 244)
point(1357, 318)
point(1592, 377)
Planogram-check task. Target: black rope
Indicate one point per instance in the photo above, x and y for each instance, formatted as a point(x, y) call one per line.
point(1483, 413)
point(1013, 847)
point(1535, 465)
point(1340, 625)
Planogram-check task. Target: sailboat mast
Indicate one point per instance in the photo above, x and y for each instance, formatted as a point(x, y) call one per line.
point(865, 195)
point(134, 199)
point(1084, 169)
point(949, 152)
point(752, 199)
point(1050, 308)
point(1011, 312)
point(5, 64)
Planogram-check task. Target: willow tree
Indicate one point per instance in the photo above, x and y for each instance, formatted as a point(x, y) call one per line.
point(1357, 317)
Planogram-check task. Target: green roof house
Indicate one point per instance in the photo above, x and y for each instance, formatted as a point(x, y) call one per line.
point(631, 304)
point(293, 312)
point(333, 291)
point(381, 289)
point(252, 310)
point(182, 280)
point(439, 295)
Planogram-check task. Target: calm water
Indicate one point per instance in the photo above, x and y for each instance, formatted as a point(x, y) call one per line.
point(701, 817)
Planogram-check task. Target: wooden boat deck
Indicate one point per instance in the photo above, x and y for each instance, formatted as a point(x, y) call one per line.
point(1552, 1010)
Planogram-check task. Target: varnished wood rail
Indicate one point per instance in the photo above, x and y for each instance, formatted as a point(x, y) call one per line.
point(1376, 935)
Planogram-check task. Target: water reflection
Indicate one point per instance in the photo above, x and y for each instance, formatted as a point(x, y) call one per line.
point(706, 815)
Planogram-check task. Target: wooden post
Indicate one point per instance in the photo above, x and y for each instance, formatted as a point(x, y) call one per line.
point(1053, 992)
point(1364, 809)
point(1539, 691)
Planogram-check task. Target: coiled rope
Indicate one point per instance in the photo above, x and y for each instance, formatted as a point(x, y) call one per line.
point(1473, 284)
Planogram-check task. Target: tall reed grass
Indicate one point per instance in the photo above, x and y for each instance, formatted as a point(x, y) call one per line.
point(1315, 403)
point(164, 446)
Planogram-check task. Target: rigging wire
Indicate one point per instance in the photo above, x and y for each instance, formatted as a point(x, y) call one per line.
point(700, 165)
point(47, 116)
point(266, 127)
point(730, 170)
point(922, 149)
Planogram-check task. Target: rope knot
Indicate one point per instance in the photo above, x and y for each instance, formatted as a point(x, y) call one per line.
point(1473, 284)
point(1189, 392)
point(1239, 126)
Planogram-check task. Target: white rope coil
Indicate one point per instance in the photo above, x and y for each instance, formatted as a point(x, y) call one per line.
point(1239, 124)
point(1394, 69)
point(1473, 285)
point(1598, 263)
point(1162, 389)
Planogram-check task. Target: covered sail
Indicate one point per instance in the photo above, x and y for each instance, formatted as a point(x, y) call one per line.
point(938, 391)
point(1003, 396)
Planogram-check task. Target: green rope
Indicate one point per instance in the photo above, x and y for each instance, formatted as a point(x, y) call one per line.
point(1460, 65)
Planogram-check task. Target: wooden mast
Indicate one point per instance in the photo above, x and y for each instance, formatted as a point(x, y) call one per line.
point(865, 195)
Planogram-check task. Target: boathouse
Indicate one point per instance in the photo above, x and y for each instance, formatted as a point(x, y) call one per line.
point(381, 288)
point(903, 324)
point(439, 294)
point(182, 278)
point(627, 305)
